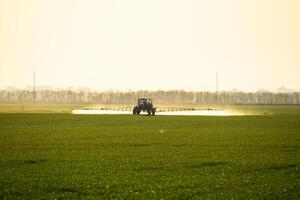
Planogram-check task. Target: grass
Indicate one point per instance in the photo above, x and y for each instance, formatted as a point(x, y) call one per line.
point(64, 156)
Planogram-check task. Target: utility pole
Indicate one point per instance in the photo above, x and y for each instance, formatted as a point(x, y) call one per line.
point(217, 86)
point(34, 86)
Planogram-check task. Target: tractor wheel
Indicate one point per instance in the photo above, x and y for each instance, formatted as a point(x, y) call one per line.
point(134, 112)
point(153, 111)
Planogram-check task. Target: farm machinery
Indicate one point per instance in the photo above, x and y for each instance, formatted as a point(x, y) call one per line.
point(144, 105)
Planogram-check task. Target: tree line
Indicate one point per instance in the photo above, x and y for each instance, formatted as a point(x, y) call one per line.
point(159, 97)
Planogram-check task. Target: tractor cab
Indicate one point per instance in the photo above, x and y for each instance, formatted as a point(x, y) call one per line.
point(143, 102)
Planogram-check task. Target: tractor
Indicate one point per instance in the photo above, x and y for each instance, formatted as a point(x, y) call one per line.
point(144, 105)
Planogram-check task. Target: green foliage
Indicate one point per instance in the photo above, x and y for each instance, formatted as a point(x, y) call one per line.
point(64, 156)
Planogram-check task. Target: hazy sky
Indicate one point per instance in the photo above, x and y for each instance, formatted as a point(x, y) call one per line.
point(151, 44)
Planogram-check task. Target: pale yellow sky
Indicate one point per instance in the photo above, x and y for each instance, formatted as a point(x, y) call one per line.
point(144, 44)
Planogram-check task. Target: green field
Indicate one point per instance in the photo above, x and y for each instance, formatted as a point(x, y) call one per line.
point(64, 156)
